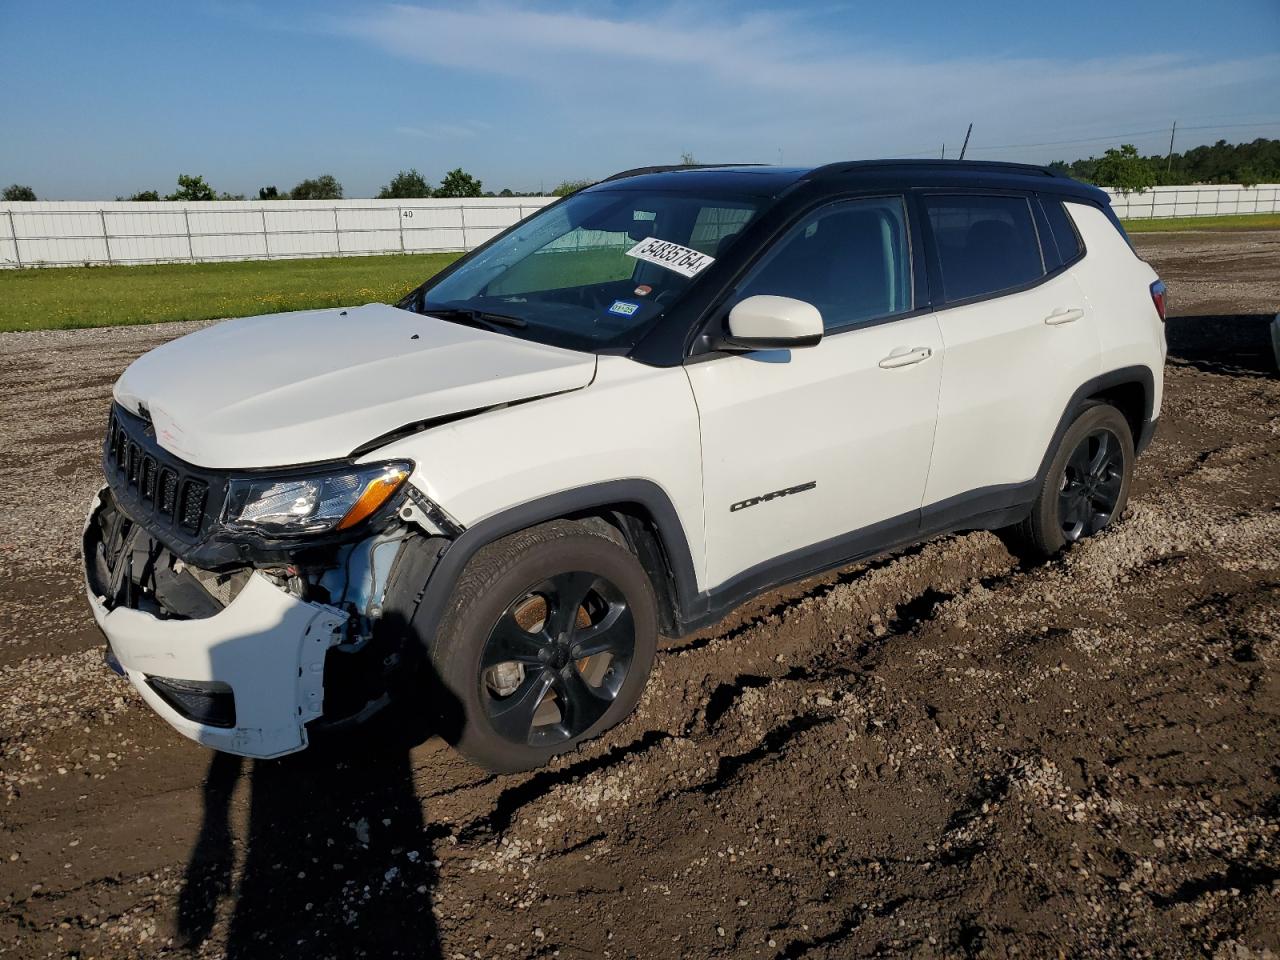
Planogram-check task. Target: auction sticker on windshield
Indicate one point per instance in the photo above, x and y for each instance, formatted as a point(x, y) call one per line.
point(664, 253)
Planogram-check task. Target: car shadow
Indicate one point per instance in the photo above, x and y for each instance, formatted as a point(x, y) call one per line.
point(1233, 344)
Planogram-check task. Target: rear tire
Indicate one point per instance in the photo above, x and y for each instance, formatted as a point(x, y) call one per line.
point(548, 640)
point(1085, 488)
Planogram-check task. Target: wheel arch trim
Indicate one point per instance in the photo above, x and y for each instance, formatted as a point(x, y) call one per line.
point(1139, 374)
point(603, 496)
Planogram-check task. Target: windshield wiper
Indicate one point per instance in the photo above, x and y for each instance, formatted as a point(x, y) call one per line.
point(483, 318)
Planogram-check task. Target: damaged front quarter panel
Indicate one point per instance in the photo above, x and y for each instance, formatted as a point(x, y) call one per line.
point(377, 583)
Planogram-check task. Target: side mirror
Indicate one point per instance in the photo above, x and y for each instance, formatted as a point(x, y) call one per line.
point(772, 323)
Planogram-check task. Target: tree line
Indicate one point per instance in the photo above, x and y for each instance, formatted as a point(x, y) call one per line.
point(1125, 169)
point(1120, 167)
point(407, 184)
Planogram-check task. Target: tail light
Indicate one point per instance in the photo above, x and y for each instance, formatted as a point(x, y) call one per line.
point(1157, 297)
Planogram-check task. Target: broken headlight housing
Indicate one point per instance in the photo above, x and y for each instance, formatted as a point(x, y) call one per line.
point(315, 503)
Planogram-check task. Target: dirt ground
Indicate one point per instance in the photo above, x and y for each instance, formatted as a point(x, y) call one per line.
point(942, 753)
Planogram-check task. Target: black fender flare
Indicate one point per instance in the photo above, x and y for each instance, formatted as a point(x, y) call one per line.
point(455, 555)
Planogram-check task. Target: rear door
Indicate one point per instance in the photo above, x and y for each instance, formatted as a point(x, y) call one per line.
point(1019, 338)
point(807, 445)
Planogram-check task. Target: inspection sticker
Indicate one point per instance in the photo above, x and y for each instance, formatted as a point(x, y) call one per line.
point(664, 253)
point(624, 308)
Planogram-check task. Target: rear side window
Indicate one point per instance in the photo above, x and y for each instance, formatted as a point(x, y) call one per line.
point(1064, 231)
point(984, 244)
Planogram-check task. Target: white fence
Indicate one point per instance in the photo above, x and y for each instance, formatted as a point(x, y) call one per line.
point(1201, 201)
point(63, 233)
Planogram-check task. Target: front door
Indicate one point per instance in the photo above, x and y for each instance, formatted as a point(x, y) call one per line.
point(807, 446)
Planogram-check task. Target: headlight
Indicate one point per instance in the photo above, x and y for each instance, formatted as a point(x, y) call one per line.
point(321, 503)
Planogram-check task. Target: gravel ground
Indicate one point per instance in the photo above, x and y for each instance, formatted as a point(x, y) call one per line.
point(942, 753)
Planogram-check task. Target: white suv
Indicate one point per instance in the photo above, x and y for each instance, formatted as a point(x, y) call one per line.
point(651, 401)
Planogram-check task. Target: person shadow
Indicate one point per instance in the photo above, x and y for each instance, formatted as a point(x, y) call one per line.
point(212, 860)
point(337, 857)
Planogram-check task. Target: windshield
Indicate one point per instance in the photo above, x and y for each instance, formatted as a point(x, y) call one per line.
point(592, 272)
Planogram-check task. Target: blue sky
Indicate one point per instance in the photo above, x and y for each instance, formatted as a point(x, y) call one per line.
point(103, 99)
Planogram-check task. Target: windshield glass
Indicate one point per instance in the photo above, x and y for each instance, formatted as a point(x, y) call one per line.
point(592, 272)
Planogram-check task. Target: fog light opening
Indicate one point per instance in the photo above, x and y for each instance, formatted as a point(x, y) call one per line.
point(208, 702)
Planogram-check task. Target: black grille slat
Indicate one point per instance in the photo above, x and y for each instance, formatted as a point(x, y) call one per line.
point(134, 463)
point(168, 495)
point(194, 494)
point(148, 482)
point(115, 437)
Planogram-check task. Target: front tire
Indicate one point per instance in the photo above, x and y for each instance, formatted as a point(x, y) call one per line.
point(548, 641)
point(1086, 486)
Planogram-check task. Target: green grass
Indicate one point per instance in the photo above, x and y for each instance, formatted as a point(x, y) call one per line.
point(553, 270)
point(1240, 221)
point(64, 297)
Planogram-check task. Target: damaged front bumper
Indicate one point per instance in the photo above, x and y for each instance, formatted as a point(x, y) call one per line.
point(243, 662)
point(259, 664)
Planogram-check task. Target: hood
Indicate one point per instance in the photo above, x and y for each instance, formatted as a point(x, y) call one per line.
point(293, 388)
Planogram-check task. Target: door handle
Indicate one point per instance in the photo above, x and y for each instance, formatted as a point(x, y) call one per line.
point(1063, 315)
point(902, 357)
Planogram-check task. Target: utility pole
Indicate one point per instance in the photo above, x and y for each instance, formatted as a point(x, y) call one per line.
point(1169, 163)
point(966, 141)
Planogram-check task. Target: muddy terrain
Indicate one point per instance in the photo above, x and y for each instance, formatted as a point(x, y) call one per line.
point(940, 753)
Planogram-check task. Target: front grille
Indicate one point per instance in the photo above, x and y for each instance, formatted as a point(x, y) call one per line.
point(160, 490)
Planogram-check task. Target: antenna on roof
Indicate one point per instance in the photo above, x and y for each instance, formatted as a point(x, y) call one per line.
point(966, 141)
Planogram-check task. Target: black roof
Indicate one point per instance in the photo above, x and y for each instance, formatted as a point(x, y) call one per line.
point(744, 178)
point(762, 180)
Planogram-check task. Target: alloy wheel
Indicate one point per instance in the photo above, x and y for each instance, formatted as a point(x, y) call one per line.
point(556, 658)
point(1091, 485)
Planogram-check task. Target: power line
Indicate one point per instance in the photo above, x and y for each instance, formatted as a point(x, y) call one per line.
point(1058, 143)
point(1229, 126)
point(1121, 136)
point(1109, 138)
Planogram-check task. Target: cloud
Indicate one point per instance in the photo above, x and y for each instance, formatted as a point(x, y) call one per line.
point(744, 85)
point(442, 131)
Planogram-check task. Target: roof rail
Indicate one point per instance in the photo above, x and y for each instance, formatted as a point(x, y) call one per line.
point(672, 167)
point(992, 166)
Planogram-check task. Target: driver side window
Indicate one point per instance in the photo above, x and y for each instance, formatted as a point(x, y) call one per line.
point(851, 260)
